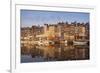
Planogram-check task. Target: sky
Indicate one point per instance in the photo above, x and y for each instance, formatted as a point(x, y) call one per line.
point(36, 17)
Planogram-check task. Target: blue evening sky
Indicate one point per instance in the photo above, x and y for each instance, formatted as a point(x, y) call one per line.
point(33, 17)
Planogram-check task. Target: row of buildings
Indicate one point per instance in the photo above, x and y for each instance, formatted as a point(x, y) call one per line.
point(50, 33)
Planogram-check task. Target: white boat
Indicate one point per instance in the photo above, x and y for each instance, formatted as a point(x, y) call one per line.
point(79, 42)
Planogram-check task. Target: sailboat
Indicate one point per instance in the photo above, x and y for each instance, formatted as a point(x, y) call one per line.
point(79, 41)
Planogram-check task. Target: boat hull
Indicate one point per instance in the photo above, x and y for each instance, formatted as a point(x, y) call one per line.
point(79, 42)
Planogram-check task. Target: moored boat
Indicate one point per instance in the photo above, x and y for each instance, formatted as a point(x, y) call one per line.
point(79, 42)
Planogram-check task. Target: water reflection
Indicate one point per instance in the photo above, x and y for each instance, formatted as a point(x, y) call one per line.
point(57, 53)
